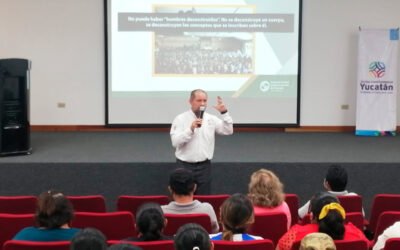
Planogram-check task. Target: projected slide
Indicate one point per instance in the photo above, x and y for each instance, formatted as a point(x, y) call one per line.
point(247, 52)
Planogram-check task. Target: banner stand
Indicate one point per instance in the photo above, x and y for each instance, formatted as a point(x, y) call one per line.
point(377, 82)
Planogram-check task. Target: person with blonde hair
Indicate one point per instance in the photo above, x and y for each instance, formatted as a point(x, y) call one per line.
point(317, 241)
point(236, 216)
point(266, 194)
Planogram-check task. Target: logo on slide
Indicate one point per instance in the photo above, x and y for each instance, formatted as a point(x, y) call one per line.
point(377, 69)
point(265, 86)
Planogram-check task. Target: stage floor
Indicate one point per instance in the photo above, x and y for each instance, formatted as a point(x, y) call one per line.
point(141, 147)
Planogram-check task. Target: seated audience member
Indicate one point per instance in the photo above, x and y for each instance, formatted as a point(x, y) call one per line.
point(327, 217)
point(266, 194)
point(335, 182)
point(192, 236)
point(182, 186)
point(124, 246)
point(89, 239)
point(391, 232)
point(236, 216)
point(53, 215)
point(150, 223)
point(317, 241)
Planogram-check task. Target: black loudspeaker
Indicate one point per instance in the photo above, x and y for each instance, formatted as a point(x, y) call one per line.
point(14, 107)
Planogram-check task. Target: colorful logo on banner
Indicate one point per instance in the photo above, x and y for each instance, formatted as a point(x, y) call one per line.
point(377, 69)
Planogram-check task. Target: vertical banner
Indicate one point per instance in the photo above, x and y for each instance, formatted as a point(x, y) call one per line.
point(377, 82)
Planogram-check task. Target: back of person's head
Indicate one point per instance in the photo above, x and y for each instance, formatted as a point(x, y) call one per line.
point(336, 178)
point(265, 189)
point(150, 221)
point(317, 241)
point(329, 214)
point(53, 210)
point(182, 182)
point(124, 246)
point(192, 237)
point(89, 239)
point(236, 215)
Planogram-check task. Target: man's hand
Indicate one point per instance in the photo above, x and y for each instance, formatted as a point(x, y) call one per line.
point(220, 105)
point(196, 124)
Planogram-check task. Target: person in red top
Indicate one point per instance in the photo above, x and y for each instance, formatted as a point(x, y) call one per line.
point(328, 217)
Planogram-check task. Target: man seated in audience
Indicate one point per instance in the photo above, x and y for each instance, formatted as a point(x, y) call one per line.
point(335, 183)
point(182, 187)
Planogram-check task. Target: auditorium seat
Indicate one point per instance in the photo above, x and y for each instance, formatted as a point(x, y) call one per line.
point(114, 225)
point(11, 224)
point(175, 221)
point(18, 204)
point(88, 203)
point(269, 226)
point(380, 204)
point(392, 244)
point(36, 245)
point(351, 245)
point(131, 202)
point(351, 203)
point(215, 200)
point(356, 218)
point(385, 220)
point(243, 245)
point(148, 245)
point(292, 200)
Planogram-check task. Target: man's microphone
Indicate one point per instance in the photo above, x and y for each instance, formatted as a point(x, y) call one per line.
point(201, 114)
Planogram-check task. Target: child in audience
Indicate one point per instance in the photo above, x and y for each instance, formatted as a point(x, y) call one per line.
point(150, 223)
point(327, 217)
point(192, 236)
point(89, 239)
point(236, 216)
point(266, 194)
point(335, 182)
point(53, 215)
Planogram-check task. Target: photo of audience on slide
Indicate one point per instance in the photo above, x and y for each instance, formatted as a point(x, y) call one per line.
point(196, 53)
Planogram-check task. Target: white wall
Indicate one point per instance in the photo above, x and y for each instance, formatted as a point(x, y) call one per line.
point(65, 41)
point(329, 55)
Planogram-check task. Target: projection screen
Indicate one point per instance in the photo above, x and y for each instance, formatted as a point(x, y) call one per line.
point(246, 51)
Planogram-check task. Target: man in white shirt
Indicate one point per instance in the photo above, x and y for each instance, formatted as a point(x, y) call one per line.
point(193, 136)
